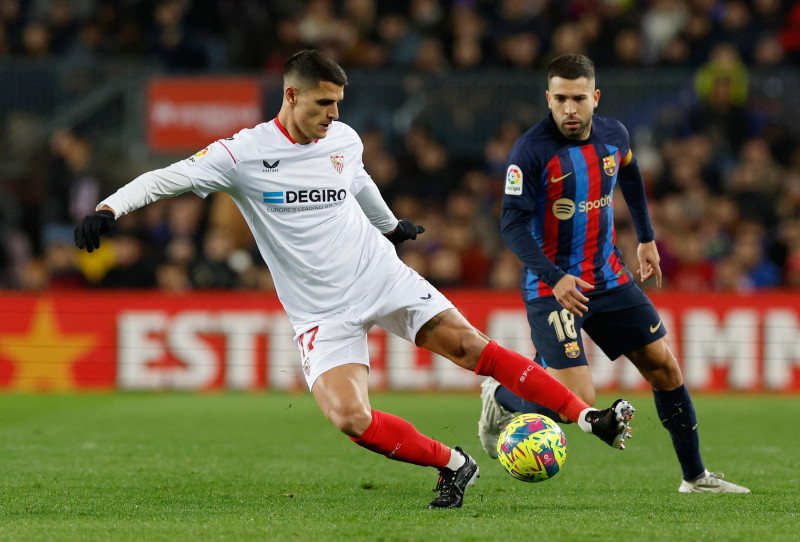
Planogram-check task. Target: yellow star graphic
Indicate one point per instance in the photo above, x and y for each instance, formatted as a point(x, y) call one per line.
point(44, 355)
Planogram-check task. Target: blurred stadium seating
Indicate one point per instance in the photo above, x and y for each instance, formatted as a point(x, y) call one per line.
point(439, 91)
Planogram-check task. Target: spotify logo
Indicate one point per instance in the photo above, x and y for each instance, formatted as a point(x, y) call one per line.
point(564, 208)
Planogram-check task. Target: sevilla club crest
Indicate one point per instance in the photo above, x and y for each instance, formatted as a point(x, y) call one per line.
point(338, 163)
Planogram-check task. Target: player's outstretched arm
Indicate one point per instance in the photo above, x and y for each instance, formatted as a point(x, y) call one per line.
point(146, 188)
point(89, 230)
point(649, 262)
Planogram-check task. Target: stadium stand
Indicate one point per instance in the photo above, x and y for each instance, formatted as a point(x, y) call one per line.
point(444, 88)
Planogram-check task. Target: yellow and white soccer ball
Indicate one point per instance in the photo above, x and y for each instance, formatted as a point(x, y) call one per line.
point(532, 448)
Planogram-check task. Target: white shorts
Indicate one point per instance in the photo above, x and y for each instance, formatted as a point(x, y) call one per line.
point(402, 307)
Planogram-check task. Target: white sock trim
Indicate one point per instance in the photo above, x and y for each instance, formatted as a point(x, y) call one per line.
point(582, 423)
point(456, 460)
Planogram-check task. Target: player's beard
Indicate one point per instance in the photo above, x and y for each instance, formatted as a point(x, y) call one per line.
point(581, 131)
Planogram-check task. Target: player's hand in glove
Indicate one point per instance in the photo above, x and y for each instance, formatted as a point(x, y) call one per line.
point(88, 232)
point(405, 230)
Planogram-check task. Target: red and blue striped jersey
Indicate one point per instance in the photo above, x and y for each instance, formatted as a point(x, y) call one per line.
point(567, 187)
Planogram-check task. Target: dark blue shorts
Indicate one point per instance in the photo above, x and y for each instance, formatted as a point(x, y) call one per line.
point(619, 321)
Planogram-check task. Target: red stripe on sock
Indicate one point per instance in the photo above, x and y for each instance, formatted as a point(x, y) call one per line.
point(397, 439)
point(528, 380)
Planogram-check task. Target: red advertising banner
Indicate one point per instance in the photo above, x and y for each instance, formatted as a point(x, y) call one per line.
point(187, 113)
point(152, 340)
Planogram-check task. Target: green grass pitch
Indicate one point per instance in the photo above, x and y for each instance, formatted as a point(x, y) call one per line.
point(175, 466)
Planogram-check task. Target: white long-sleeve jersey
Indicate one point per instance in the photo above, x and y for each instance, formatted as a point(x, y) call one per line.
point(322, 250)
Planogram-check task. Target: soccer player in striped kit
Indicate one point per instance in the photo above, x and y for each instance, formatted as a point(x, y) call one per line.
point(558, 218)
point(328, 238)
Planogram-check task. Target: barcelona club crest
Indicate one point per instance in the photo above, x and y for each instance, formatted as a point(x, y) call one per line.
point(610, 165)
point(572, 350)
point(338, 163)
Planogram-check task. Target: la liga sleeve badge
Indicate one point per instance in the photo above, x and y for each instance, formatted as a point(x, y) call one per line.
point(513, 180)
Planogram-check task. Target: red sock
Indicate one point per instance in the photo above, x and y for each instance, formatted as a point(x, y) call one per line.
point(397, 439)
point(528, 380)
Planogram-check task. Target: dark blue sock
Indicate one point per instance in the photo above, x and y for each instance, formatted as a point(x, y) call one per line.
point(514, 403)
point(676, 412)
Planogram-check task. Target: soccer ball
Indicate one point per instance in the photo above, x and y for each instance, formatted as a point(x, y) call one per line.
point(532, 448)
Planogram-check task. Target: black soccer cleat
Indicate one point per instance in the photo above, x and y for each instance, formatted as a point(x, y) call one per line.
point(611, 424)
point(452, 484)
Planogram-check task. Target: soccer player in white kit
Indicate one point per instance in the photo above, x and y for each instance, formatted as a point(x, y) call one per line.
point(328, 239)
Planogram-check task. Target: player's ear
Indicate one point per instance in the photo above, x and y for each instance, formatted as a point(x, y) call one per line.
point(290, 94)
point(547, 97)
point(596, 97)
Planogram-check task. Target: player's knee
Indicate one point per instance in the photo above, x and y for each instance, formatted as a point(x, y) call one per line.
point(352, 420)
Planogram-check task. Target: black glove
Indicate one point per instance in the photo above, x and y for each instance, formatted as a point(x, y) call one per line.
point(405, 230)
point(88, 232)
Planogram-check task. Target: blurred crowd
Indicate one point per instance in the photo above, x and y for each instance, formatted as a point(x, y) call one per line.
point(722, 175)
point(425, 35)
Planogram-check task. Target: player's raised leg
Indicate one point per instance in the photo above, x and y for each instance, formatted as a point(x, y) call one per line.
point(449, 334)
point(499, 403)
point(676, 412)
point(342, 394)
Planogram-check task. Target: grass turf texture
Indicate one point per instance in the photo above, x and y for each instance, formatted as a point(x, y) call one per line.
point(270, 467)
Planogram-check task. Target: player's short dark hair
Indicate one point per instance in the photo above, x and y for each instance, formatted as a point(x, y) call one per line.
point(312, 67)
point(571, 67)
